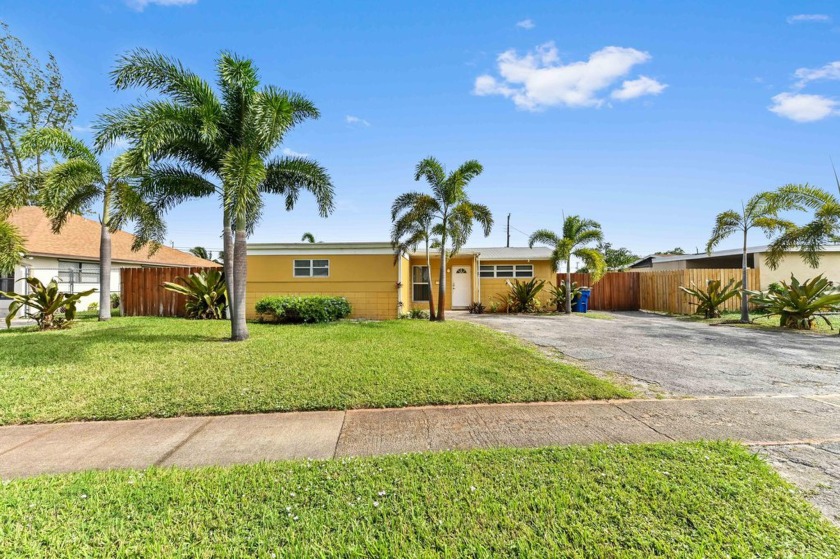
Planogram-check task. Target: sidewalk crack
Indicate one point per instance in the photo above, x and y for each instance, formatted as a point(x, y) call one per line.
point(645, 423)
point(181, 444)
point(340, 434)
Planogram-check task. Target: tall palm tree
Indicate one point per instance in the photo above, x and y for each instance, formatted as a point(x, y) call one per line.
point(73, 186)
point(413, 225)
point(761, 212)
point(577, 234)
point(197, 141)
point(452, 210)
point(811, 238)
point(307, 238)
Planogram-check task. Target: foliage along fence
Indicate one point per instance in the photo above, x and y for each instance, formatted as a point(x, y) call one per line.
point(660, 291)
point(616, 291)
point(656, 291)
point(142, 292)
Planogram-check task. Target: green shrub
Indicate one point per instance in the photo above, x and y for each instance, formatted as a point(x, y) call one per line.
point(799, 304)
point(557, 294)
point(115, 300)
point(205, 291)
point(476, 308)
point(303, 309)
point(43, 302)
point(93, 307)
point(709, 301)
point(416, 314)
point(522, 295)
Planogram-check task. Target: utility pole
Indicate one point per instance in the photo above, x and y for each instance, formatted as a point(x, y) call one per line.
point(508, 232)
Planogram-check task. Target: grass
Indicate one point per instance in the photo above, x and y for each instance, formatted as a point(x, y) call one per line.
point(596, 315)
point(698, 500)
point(158, 367)
point(772, 323)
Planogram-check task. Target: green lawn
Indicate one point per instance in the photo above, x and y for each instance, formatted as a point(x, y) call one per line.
point(142, 367)
point(772, 323)
point(699, 500)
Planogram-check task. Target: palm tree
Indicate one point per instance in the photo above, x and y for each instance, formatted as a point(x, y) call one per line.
point(413, 225)
point(577, 234)
point(11, 247)
point(761, 211)
point(812, 237)
point(201, 252)
point(196, 141)
point(451, 209)
point(74, 185)
point(307, 238)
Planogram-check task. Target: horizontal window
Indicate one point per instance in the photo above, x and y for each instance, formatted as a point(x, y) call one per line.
point(78, 272)
point(507, 271)
point(312, 268)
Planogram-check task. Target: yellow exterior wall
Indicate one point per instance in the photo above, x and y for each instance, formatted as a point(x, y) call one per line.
point(492, 288)
point(369, 281)
point(792, 263)
point(459, 260)
point(405, 290)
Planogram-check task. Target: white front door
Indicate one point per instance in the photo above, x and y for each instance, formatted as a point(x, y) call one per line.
point(461, 287)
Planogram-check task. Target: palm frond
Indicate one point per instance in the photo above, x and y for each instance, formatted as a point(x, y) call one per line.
point(287, 176)
point(12, 247)
point(726, 223)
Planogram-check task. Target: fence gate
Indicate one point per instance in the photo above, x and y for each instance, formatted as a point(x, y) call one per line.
point(142, 292)
point(616, 291)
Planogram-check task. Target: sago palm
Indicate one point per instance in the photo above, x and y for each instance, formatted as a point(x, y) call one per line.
point(413, 225)
point(198, 141)
point(453, 212)
point(79, 183)
point(759, 212)
point(577, 234)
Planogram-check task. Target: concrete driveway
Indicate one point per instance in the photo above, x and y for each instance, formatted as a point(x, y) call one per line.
point(677, 358)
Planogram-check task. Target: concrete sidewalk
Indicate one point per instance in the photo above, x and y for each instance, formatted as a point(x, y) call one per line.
point(196, 441)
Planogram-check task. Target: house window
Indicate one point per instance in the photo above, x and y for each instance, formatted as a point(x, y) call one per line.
point(312, 268)
point(7, 283)
point(507, 271)
point(420, 285)
point(78, 272)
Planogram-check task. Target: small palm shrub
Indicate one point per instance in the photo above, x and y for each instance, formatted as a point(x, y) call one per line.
point(476, 308)
point(799, 304)
point(416, 314)
point(557, 294)
point(713, 297)
point(293, 309)
point(47, 301)
point(522, 295)
point(115, 300)
point(93, 307)
point(205, 291)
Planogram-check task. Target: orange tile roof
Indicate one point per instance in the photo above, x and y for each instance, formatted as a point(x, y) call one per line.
point(79, 238)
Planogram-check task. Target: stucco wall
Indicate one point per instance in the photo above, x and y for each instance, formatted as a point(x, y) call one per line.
point(368, 281)
point(459, 260)
point(492, 288)
point(792, 263)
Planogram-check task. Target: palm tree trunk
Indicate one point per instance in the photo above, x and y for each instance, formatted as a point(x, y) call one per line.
point(745, 303)
point(105, 258)
point(227, 263)
point(569, 286)
point(441, 314)
point(429, 272)
point(238, 326)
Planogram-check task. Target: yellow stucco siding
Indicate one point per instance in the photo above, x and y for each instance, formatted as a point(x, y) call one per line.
point(369, 281)
point(492, 288)
point(792, 263)
point(459, 260)
point(405, 289)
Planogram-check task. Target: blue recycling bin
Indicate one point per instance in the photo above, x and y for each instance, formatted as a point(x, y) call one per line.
point(581, 303)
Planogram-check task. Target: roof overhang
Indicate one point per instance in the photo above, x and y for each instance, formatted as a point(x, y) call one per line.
point(293, 249)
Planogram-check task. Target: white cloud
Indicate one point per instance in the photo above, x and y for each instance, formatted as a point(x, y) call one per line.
point(355, 121)
point(802, 107)
point(630, 89)
point(140, 5)
point(830, 71)
point(539, 79)
point(292, 153)
point(809, 18)
point(526, 24)
point(83, 129)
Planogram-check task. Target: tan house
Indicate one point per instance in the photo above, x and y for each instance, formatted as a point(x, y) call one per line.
point(380, 286)
point(72, 257)
point(791, 263)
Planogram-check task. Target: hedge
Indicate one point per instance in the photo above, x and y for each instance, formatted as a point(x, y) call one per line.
point(306, 308)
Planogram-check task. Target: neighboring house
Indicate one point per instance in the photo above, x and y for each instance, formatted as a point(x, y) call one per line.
point(380, 288)
point(791, 263)
point(72, 257)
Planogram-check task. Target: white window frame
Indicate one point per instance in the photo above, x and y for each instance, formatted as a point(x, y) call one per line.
point(310, 267)
point(413, 283)
point(82, 272)
point(515, 271)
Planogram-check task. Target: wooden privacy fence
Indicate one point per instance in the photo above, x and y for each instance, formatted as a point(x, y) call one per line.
point(656, 291)
point(616, 291)
point(142, 292)
point(660, 291)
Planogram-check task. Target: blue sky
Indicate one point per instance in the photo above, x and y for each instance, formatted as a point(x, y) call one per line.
point(646, 118)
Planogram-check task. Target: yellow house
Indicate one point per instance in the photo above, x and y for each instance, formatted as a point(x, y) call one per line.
point(380, 286)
